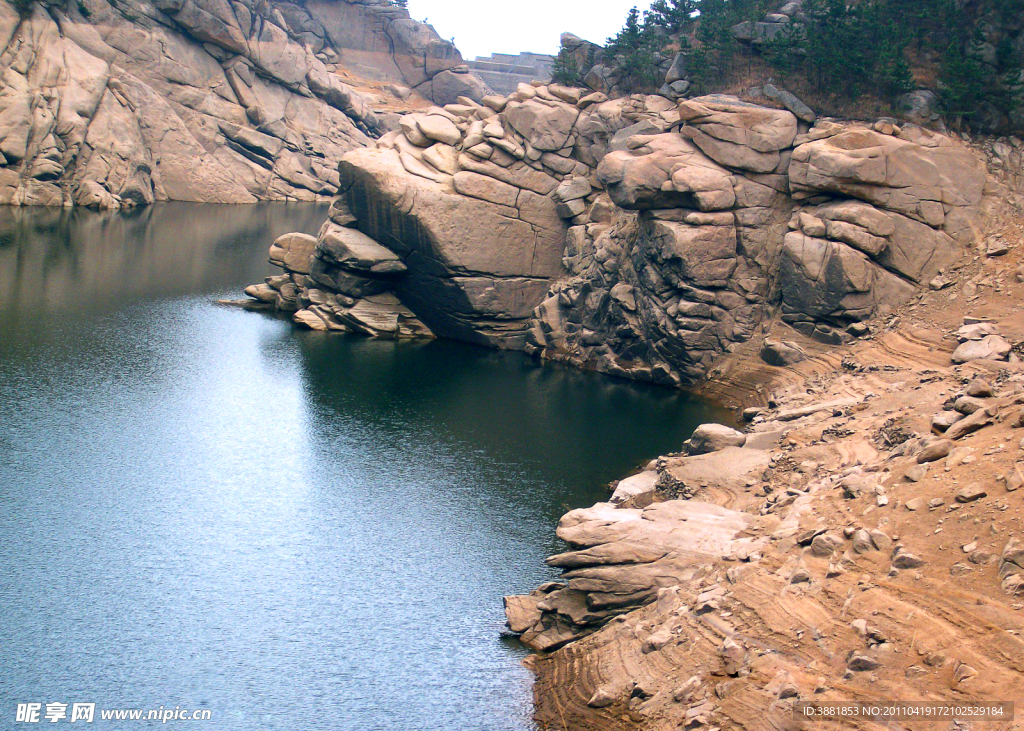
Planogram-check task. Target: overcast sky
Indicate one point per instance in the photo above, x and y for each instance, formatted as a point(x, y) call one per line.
point(484, 27)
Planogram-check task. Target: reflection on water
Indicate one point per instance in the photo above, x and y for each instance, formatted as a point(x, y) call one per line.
point(69, 258)
point(201, 507)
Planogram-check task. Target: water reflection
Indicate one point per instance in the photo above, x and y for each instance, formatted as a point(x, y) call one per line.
point(70, 259)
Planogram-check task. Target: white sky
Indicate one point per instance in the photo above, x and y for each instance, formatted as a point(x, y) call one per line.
point(485, 26)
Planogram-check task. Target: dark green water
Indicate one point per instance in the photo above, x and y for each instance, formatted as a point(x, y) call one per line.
point(201, 507)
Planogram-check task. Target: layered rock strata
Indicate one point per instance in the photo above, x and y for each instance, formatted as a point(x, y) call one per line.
point(122, 103)
point(872, 552)
point(646, 238)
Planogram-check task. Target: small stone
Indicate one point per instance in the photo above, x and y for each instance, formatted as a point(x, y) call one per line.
point(997, 248)
point(1014, 479)
point(915, 504)
point(967, 405)
point(800, 576)
point(916, 473)
point(963, 673)
point(880, 540)
point(603, 697)
point(971, 493)
point(976, 329)
point(905, 560)
point(656, 641)
point(945, 419)
point(862, 542)
point(936, 502)
point(859, 663)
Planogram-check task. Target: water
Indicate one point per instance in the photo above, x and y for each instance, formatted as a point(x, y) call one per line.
point(201, 507)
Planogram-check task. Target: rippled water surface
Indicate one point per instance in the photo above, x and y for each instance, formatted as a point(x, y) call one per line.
point(201, 507)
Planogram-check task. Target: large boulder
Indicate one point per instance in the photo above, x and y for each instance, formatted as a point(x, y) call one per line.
point(353, 250)
point(479, 256)
point(738, 134)
point(665, 171)
point(292, 251)
point(714, 437)
point(918, 181)
point(544, 124)
point(824, 280)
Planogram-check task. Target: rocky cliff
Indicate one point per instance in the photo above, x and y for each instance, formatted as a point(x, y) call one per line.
point(116, 104)
point(643, 237)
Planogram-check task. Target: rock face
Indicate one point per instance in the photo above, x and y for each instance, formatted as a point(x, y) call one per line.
point(645, 238)
point(117, 104)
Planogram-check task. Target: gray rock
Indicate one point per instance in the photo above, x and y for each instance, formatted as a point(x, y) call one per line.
point(967, 405)
point(906, 560)
point(919, 106)
point(916, 473)
point(859, 662)
point(677, 71)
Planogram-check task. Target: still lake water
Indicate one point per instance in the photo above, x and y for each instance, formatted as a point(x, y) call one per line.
point(201, 507)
